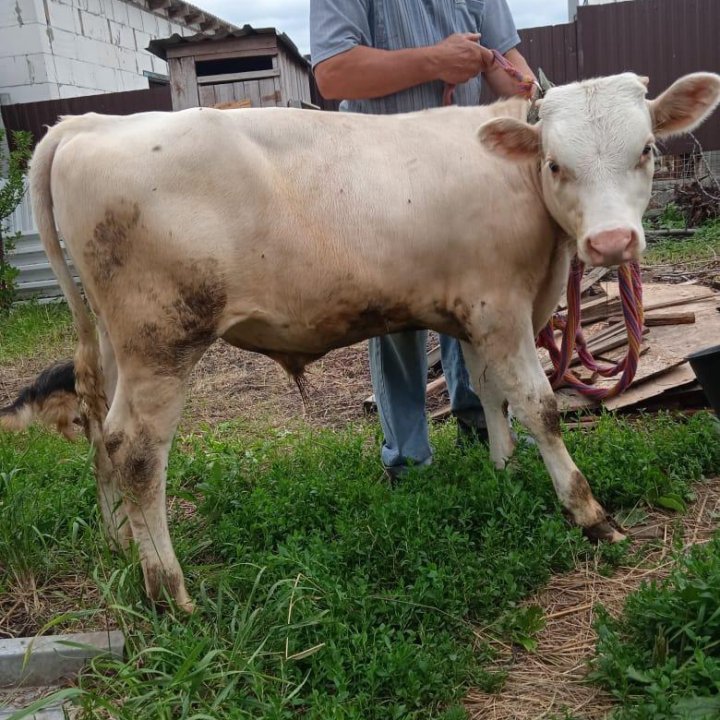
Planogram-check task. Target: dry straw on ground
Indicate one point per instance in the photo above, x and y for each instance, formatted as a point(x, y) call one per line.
point(546, 683)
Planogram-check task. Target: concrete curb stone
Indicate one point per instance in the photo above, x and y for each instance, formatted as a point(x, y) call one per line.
point(53, 657)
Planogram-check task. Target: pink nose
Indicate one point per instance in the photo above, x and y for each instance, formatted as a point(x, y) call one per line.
point(612, 247)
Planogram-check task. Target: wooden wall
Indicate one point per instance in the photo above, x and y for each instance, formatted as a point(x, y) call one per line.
point(288, 80)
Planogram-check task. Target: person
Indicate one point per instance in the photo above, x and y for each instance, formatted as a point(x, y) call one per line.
point(392, 56)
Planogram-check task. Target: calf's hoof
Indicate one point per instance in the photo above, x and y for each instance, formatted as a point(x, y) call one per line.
point(163, 585)
point(606, 530)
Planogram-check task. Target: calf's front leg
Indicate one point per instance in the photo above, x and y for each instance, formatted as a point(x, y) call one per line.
point(505, 360)
point(494, 405)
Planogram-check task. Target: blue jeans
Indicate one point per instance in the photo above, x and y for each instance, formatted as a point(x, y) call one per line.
point(398, 369)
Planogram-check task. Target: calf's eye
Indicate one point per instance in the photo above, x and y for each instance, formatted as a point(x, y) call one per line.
point(554, 167)
point(647, 150)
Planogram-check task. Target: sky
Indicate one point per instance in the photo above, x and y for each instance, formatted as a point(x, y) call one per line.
point(291, 16)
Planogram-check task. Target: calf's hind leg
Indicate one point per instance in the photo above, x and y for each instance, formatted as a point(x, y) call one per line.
point(508, 357)
point(138, 433)
point(112, 506)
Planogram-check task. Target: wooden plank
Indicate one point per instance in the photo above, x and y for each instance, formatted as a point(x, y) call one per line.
point(252, 90)
point(239, 53)
point(279, 93)
point(659, 319)
point(285, 76)
point(433, 356)
point(236, 77)
point(219, 49)
point(234, 104)
point(673, 378)
point(206, 94)
point(226, 93)
point(596, 309)
point(183, 84)
point(268, 94)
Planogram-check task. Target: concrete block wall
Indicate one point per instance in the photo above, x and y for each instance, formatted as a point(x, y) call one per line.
point(52, 49)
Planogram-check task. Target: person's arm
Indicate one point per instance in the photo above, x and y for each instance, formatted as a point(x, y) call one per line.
point(366, 72)
point(503, 84)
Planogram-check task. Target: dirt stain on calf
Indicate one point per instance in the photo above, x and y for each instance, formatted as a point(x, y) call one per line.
point(580, 493)
point(551, 418)
point(139, 467)
point(113, 442)
point(112, 242)
point(185, 324)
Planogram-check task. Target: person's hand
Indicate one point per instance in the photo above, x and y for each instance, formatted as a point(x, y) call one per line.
point(460, 57)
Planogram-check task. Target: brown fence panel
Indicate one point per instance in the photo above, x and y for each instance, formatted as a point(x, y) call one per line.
point(662, 39)
point(36, 116)
point(552, 48)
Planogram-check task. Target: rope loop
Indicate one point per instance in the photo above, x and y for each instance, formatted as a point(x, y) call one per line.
point(573, 339)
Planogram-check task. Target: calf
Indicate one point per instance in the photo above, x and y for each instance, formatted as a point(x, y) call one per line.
point(290, 233)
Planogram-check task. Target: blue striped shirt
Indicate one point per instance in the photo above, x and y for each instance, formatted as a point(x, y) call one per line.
point(337, 26)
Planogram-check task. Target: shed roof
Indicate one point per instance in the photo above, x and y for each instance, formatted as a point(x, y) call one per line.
point(160, 47)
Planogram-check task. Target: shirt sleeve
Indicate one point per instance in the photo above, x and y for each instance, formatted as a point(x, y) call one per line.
point(337, 26)
point(497, 27)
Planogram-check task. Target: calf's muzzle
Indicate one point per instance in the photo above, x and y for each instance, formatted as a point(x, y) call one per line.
point(612, 247)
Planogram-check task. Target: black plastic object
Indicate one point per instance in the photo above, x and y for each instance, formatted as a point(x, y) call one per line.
point(706, 366)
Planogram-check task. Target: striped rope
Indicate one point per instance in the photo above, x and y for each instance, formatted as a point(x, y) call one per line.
point(573, 339)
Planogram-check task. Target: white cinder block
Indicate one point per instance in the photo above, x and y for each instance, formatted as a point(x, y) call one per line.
point(135, 17)
point(86, 48)
point(23, 39)
point(107, 79)
point(14, 13)
point(150, 23)
point(33, 93)
point(165, 28)
point(16, 71)
point(127, 37)
point(62, 17)
point(106, 54)
point(94, 6)
point(118, 10)
point(63, 70)
point(134, 81)
point(68, 91)
point(114, 32)
point(159, 66)
point(41, 68)
point(127, 60)
point(142, 40)
point(64, 44)
point(95, 26)
point(83, 74)
point(145, 61)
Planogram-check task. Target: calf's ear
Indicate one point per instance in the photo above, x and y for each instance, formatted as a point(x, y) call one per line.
point(685, 104)
point(510, 138)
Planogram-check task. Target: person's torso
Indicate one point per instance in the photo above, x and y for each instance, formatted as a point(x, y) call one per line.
point(402, 24)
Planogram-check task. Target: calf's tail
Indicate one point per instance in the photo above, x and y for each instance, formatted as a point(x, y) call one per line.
point(89, 382)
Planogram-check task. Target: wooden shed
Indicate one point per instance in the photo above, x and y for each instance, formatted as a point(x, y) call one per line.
point(257, 67)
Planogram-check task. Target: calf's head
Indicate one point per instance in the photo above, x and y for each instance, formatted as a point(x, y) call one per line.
point(595, 148)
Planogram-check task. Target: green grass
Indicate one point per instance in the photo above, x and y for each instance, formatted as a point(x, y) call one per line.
point(703, 246)
point(31, 330)
point(322, 592)
point(661, 659)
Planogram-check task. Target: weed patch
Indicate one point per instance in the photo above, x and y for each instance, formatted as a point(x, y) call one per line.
point(31, 330)
point(703, 246)
point(321, 590)
point(661, 658)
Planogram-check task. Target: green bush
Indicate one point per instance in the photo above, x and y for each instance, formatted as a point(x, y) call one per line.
point(11, 194)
